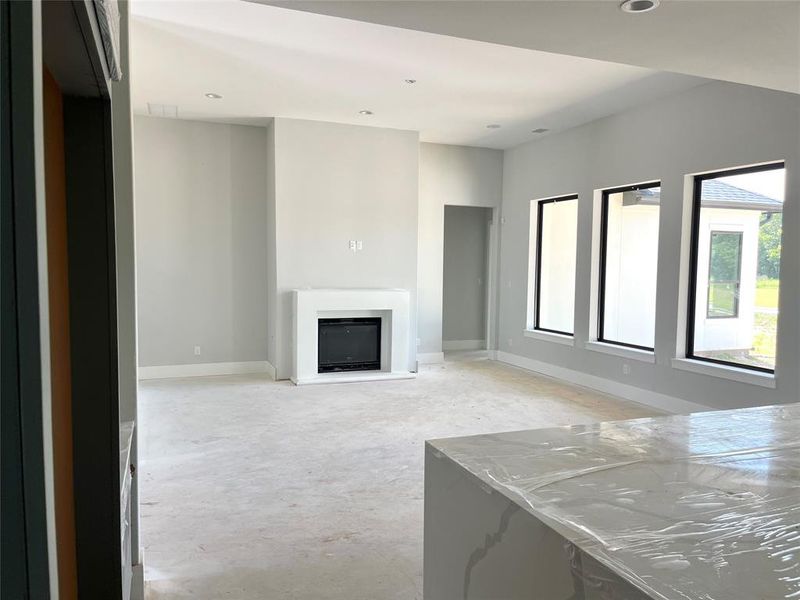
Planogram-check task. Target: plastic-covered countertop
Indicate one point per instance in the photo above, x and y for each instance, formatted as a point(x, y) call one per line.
point(703, 506)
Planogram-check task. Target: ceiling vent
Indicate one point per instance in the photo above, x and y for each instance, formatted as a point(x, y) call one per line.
point(162, 110)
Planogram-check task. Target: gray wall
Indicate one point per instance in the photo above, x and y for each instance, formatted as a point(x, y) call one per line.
point(710, 127)
point(465, 260)
point(335, 183)
point(449, 175)
point(125, 219)
point(201, 219)
point(122, 124)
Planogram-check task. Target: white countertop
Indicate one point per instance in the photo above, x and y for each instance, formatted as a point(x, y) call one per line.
point(700, 507)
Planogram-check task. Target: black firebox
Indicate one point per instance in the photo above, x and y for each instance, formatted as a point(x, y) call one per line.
point(351, 344)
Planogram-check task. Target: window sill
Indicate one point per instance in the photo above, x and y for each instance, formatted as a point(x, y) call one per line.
point(548, 336)
point(766, 380)
point(647, 356)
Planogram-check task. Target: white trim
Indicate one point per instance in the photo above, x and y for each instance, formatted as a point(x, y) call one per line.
point(662, 402)
point(741, 375)
point(463, 344)
point(271, 370)
point(428, 358)
point(647, 356)
point(206, 369)
point(549, 336)
point(354, 377)
point(42, 275)
point(530, 301)
point(137, 582)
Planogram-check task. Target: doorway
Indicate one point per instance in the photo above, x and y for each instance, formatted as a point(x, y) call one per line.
point(465, 287)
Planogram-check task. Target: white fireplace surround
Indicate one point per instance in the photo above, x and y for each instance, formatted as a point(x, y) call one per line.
point(310, 305)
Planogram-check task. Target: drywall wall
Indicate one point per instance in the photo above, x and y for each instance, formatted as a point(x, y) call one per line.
point(713, 126)
point(457, 176)
point(335, 183)
point(466, 234)
point(201, 244)
point(122, 124)
point(125, 219)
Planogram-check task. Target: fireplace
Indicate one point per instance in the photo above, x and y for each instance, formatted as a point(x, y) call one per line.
point(378, 317)
point(349, 344)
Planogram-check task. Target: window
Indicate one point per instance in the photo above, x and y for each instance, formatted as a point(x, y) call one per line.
point(628, 265)
point(555, 254)
point(724, 274)
point(737, 223)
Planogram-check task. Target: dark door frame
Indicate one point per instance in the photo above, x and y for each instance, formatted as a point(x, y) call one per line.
point(66, 33)
point(73, 50)
point(24, 549)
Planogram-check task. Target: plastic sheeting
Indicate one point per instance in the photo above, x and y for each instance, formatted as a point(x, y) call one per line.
point(700, 507)
point(108, 18)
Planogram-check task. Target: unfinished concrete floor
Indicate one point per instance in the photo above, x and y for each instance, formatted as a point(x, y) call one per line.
point(252, 489)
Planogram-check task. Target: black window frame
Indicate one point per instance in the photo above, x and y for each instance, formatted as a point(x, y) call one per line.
point(691, 311)
point(601, 309)
point(738, 281)
point(538, 270)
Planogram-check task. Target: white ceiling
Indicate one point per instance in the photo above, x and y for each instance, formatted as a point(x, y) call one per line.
point(269, 61)
point(756, 42)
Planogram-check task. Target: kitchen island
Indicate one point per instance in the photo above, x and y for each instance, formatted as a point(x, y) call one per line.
point(698, 507)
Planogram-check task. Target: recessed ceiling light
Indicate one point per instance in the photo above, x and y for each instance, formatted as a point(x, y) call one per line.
point(493, 126)
point(540, 130)
point(365, 112)
point(639, 6)
point(411, 81)
point(213, 96)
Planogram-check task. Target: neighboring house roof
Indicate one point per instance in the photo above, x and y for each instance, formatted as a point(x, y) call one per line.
point(718, 194)
point(715, 192)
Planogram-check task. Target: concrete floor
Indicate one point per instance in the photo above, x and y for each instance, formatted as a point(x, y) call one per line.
point(257, 489)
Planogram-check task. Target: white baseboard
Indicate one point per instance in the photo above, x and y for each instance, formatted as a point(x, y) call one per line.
point(206, 369)
point(663, 402)
point(427, 358)
point(137, 583)
point(271, 370)
point(464, 345)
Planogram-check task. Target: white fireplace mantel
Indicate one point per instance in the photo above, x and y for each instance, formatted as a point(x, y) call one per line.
point(310, 305)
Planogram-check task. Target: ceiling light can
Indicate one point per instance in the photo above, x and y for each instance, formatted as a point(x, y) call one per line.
point(213, 95)
point(493, 126)
point(639, 6)
point(365, 112)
